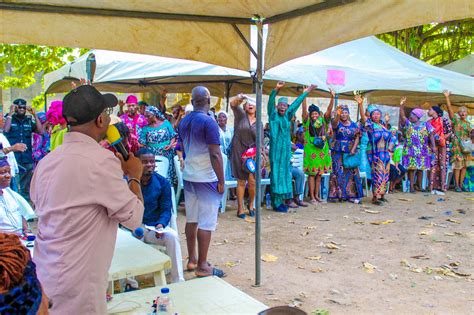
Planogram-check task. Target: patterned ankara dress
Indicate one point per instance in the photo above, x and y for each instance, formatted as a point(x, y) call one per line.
point(280, 149)
point(316, 161)
point(344, 183)
point(381, 143)
point(416, 152)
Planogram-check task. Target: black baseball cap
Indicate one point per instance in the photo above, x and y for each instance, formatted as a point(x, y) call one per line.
point(85, 103)
point(19, 102)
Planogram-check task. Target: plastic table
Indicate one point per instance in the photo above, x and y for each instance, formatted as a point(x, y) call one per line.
point(210, 295)
point(132, 257)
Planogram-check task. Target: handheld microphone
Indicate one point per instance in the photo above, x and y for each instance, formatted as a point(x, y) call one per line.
point(115, 140)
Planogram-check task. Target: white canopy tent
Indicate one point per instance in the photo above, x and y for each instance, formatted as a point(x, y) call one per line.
point(217, 33)
point(377, 69)
point(133, 73)
point(464, 65)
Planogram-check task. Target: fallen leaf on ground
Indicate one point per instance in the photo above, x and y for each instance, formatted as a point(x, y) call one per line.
point(316, 270)
point(269, 258)
point(231, 264)
point(425, 232)
point(423, 256)
point(359, 222)
point(273, 299)
point(320, 311)
point(304, 233)
point(249, 220)
point(461, 211)
point(319, 219)
point(301, 267)
point(331, 246)
point(369, 267)
point(453, 221)
point(449, 234)
point(388, 221)
point(302, 294)
point(291, 221)
point(405, 199)
point(346, 217)
point(376, 223)
point(311, 227)
point(371, 211)
point(313, 257)
point(472, 199)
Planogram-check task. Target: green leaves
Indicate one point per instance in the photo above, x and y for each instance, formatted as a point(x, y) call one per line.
point(436, 43)
point(20, 64)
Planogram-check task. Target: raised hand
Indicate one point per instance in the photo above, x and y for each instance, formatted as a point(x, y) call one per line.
point(446, 93)
point(403, 101)
point(310, 88)
point(387, 117)
point(333, 93)
point(359, 99)
point(280, 85)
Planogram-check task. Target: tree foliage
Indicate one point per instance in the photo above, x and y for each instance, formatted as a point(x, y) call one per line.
point(436, 43)
point(20, 64)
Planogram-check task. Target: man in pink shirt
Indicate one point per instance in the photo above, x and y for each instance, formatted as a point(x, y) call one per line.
point(134, 120)
point(81, 197)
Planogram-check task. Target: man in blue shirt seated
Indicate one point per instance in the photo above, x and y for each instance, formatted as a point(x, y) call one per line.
point(156, 192)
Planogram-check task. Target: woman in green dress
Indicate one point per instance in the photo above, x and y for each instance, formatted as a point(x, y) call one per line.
point(279, 115)
point(317, 160)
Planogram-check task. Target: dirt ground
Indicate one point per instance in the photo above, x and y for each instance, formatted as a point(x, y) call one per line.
point(321, 251)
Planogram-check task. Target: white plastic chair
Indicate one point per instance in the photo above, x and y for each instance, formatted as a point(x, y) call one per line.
point(363, 177)
point(162, 165)
point(179, 175)
point(228, 184)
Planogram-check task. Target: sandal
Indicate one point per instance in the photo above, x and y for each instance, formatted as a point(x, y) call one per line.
point(252, 213)
point(377, 202)
point(301, 203)
point(383, 200)
point(241, 216)
point(314, 202)
point(215, 272)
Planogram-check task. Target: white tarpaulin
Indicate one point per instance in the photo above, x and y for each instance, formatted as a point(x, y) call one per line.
point(464, 65)
point(368, 64)
point(127, 72)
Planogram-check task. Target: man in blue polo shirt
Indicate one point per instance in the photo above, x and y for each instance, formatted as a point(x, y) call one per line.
point(203, 176)
point(19, 128)
point(156, 192)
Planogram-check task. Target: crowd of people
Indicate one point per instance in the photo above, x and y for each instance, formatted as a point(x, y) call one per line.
point(82, 191)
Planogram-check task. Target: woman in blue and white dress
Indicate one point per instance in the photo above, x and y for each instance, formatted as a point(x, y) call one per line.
point(226, 134)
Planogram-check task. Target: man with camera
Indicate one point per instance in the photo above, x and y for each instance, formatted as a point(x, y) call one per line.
point(19, 128)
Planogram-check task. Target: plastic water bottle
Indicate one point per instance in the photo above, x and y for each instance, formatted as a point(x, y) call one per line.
point(164, 302)
point(268, 201)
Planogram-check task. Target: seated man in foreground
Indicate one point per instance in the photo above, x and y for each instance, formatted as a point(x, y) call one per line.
point(12, 219)
point(156, 192)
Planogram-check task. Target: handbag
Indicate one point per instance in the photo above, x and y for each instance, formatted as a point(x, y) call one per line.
point(466, 145)
point(351, 161)
point(318, 141)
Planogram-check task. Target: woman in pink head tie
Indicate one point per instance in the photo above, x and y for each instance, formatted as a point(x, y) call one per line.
point(54, 115)
point(134, 121)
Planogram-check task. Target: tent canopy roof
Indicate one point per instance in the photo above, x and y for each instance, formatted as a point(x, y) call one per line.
point(464, 65)
point(369, 64)
point(213, 31)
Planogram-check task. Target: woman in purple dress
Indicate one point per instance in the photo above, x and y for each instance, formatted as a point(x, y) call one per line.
point(344, 182)
point(416, 151)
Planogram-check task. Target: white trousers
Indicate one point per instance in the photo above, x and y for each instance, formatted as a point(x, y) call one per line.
point(170, 239)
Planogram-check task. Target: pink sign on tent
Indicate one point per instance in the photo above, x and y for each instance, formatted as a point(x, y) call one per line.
point(336, 77)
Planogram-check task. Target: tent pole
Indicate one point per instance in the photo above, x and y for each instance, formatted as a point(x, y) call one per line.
point(258, 173)
point(227, 95)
